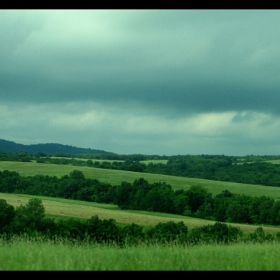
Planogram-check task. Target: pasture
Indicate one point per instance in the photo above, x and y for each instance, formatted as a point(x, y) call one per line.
point(115, 177)
point(24, 253)
point(60, 207)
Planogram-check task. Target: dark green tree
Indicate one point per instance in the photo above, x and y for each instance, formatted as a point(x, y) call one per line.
point(220, 204)
point(7, 214)
point(275, 214)
point(124, 195)
point(168, 232)
point(29, 217)
point(77, 175)
point(133, 233)
point(238, 209)
point(181, 203)
point(197, 196)
point(159, 199)
point(205, 211)
point(218, 233)
point(103, 230)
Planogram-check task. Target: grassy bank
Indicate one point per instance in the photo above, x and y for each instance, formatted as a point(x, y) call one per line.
point(30, 255)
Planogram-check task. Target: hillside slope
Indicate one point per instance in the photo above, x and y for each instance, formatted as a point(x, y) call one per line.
point(49, 148)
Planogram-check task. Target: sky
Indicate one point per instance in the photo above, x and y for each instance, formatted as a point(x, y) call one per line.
point(155, 82)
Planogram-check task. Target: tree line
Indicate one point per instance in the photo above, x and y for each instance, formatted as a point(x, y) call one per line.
point(30, 220)
point(142, 195)
point(220, 168)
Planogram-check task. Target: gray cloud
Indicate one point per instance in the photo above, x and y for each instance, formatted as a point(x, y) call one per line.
point(159, 66)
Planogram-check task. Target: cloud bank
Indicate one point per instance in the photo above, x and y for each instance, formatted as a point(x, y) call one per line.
point(142, 81)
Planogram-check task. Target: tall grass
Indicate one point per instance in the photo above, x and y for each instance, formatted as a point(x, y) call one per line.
point(28, 254)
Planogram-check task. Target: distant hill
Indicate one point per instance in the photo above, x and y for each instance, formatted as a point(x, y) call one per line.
point(49, 148)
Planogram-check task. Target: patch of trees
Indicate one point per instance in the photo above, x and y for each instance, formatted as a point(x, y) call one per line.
point(30, 220)
point(142, 195)
point(221, 168)
point(198, 202)
point(20, 156)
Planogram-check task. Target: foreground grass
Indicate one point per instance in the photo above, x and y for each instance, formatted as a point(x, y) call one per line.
point(65, 208)
point(115, 177)
point(30, 255)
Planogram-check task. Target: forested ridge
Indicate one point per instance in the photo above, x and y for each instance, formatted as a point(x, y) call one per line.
point(50, 148)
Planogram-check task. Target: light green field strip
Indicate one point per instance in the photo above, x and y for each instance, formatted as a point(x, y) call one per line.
point(272, 161)
point(115, 177)
point(86, 159)
point(154, 161)
point(80, 209)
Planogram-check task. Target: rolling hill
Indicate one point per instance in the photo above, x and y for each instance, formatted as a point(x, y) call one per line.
point(49, 148)
point(67, 208)
point(115, 177)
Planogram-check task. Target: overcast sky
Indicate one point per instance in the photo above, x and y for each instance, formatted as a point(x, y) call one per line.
point(162, 82)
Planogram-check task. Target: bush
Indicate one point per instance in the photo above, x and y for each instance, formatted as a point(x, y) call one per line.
point(217, 233)
point(168, 232)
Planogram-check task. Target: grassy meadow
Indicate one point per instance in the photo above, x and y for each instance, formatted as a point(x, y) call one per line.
point(59, 208)
point(27, 254)
point(115, 177)
point(22, 254)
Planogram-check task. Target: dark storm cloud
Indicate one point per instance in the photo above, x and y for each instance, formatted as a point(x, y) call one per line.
point(177, 59)
point(146, 74)
point(183, 97)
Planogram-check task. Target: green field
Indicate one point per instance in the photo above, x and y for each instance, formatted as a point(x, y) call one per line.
point(115, 177)
point(93, 160)
point(273, 161)
point(28, 254)
point(24, 254)
point(59, 207)
point(154, 161)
